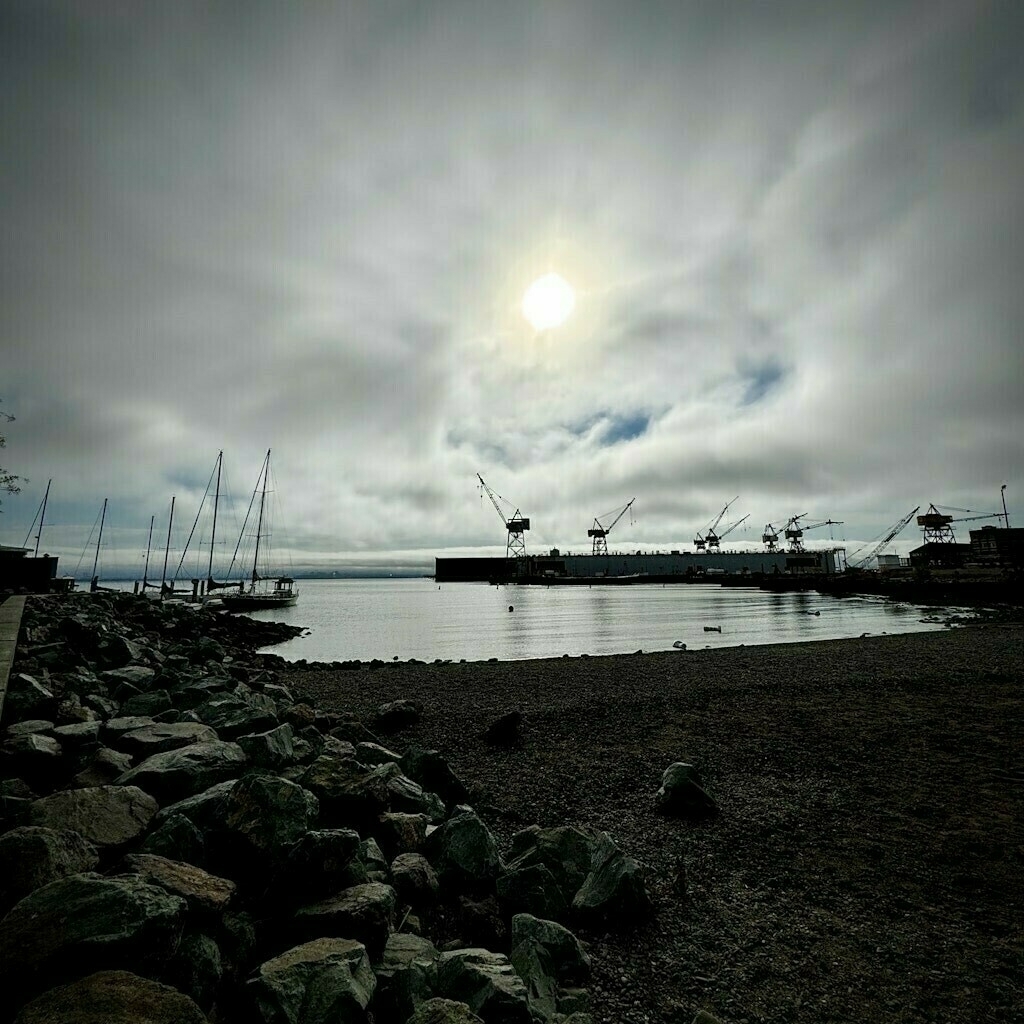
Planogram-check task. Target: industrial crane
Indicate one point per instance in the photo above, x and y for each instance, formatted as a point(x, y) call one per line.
point(700, 542)
point(600, 532)
point(770, 538)
point(936, 524)
point(894, 531)
point(795, 531)
point(516, 524)
point(713, 538)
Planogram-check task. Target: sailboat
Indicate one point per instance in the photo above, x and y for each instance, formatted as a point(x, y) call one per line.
point(262, 592)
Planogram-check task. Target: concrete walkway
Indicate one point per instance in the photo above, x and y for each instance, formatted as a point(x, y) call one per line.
point(10, 623)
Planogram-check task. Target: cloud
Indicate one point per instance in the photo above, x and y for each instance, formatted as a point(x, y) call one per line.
point(794, 230)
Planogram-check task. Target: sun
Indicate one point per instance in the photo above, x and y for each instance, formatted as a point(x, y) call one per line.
point(548, 302)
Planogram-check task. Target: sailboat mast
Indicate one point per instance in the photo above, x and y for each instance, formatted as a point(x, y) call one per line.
point(99, 539)
point(42, 517)
point(149, 544)
point(213, 531)
point(167, 550)
point(259, 523)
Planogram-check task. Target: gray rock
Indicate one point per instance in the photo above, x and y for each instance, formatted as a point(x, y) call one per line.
point(614, 889)
point(532, 890)
point(239, 713)
point(105, 815)
point(434, 774)
point(40, 725)
point(150, 704)
point(414, 881)
point(401, 833)
point(117, 651)
point(78, 734)
point(322, 862)
point(176, 774)
point(398, 714)
point(32, 856)
point(464, 852)
point(87, 922)
point(33, 756)
point(682, 794)
point(115, 728)
point(406, 975)
point(566, 851)
point(27, 698)
point(163, 736)
point(272, 749)
point(206, 810)
point(365, 912)
point(270, 814)
point(374, 861)
point(568, 960)
point(443, 1011)
point(177, 839)
point(204, 893)
point(373, 754)
point(139, 676)
point(103, 767)
point(486, 982)
point(326, 981)
point(196, 968)
point(112, 997)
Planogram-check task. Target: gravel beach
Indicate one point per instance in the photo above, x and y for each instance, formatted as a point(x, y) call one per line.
point(868, 860)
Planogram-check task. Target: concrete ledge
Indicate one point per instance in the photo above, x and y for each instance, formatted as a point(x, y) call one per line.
point(10, 623)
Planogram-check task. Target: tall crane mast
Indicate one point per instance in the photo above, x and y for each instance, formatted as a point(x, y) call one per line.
point(516, 524)
point(894, 532)
point(700, 542)
point(770, 538)
point(600, 532)
point(795, 531)
point(713, 538)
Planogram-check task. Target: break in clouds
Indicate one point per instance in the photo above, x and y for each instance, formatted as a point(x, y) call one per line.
point(793, 232)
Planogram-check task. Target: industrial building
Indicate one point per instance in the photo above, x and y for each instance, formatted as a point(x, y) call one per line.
point(638, 567)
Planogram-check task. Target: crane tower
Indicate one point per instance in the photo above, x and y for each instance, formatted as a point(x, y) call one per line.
point(599, 532)
point(516, 524)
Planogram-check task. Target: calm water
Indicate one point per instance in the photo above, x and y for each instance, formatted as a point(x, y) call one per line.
point(414, 618)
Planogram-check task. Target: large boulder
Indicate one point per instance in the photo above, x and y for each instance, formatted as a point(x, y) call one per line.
point(532, 890)
point(415, 881)
point(263, 817)
point(614, 888)
point(176, 838)
point(546, 956)
point(202, 892)
point(321, 862)
point(464, 852)
point(443, 1011)
point(682, 794)
point(239, 713)
point(108, 816)
point(160, 737)
point(365, 912)
point(487, 983)
point(176, 774)
point(406, 975)
point(273, 749)
point(566, 851)
point(326, 981)
point(85, 923)
point(27, 698)
point(398, 714)
point(31, 857)
point(434, 774)
point(112, 997)
point(102, 767)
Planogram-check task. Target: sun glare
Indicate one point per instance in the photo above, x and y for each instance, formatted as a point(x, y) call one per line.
point(548, 302)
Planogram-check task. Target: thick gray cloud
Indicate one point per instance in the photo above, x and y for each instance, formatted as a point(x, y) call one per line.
point(795, 230)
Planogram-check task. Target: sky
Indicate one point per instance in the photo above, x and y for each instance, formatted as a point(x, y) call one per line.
point(794, 231)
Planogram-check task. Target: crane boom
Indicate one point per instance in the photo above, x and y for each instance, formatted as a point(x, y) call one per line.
point(732, 526)
point(894, 532)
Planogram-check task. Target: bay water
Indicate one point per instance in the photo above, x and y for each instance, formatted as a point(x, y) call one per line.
point(417, 618)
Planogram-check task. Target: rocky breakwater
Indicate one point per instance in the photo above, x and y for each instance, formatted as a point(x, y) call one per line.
point(180, 840)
